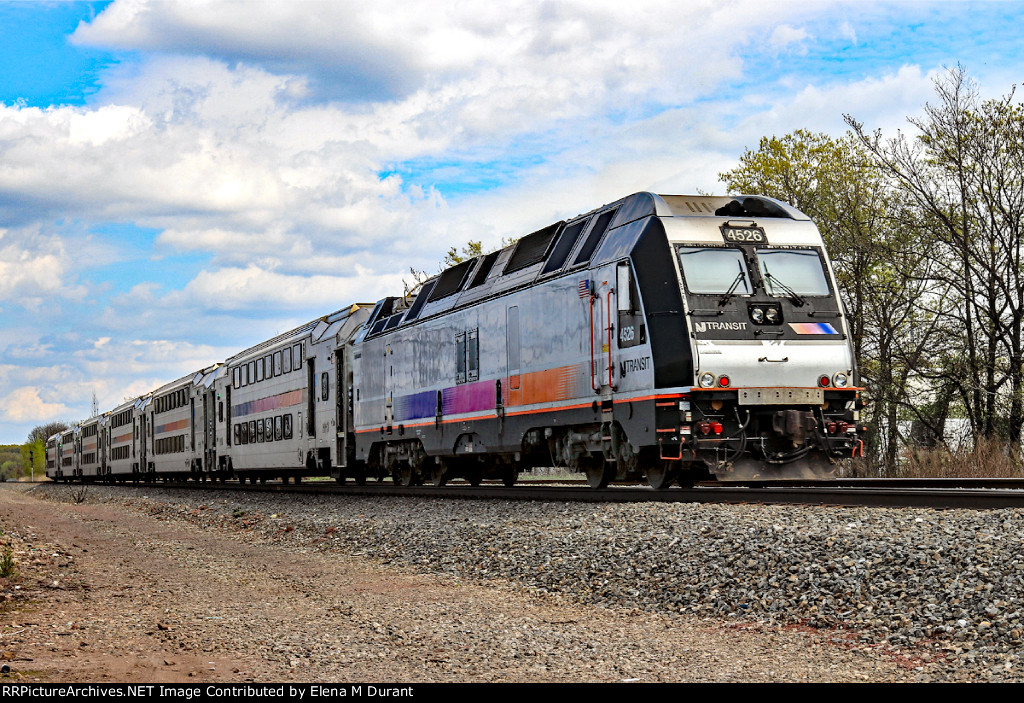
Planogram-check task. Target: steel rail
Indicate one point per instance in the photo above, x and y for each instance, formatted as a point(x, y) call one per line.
point(861, 494)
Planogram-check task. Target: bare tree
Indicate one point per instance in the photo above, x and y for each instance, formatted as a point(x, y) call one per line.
point(964, 175)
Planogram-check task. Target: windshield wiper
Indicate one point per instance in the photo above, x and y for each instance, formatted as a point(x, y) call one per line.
point(741, 276)
point(792, 294)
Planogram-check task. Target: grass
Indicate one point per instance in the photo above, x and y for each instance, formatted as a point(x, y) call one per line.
point(8, 566)
point(78, 492)
point(986, 459)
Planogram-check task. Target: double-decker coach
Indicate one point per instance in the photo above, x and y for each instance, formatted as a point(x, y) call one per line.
point(286, 407)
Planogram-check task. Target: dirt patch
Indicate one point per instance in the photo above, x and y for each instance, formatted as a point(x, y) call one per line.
point(106, 593)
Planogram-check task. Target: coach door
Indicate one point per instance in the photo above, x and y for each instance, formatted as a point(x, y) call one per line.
point(599, 313)
point(209, 423)
point(389, 389)
point(513, 350)
point(340, 408)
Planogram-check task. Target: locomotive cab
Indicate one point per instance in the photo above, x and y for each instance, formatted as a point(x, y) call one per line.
point(773, 391)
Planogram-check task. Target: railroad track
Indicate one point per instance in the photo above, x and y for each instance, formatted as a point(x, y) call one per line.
point(922, 493)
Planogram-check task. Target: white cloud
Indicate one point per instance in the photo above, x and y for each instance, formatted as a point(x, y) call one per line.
point(881, 102)
point(847, 30)
point(253, 288)
point(25, 404)
point(35, 267)
point(783, 36)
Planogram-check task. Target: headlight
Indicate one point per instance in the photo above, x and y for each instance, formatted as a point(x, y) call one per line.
point(772, 314)
point(706, 380)
point(840, 380)
point(757, 315)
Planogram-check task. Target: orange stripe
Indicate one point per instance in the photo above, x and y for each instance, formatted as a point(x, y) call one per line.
point(536, 411)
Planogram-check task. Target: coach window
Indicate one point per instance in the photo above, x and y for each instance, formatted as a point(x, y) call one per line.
point(287, 423)
point(324, 386)
point(297, 356)
point(252, 431)
point(259, 369)
point(268, 363)
point(259, 430)
point(252, 371)
point(286, 360)
point(220, 411)
point(238, 435)
point(278, 430)
point(234, 377)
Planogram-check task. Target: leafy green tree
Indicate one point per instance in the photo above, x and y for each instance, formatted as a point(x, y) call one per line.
point(9, 469)
point(33, 452)
point(469, 250)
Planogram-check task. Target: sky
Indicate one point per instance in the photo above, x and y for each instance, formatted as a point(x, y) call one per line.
point(181, 179)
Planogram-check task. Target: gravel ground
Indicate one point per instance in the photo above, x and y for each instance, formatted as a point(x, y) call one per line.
point(937, 592)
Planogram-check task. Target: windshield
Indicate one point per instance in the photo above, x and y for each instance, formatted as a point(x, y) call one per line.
point(714, 271)
point(789, 271)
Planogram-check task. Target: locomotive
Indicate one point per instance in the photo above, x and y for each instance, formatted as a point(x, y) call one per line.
point(662, 338)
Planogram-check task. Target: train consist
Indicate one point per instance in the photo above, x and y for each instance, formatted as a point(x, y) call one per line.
point(660, 337)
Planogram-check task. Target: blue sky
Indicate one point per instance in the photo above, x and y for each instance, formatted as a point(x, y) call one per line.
point(179, 180)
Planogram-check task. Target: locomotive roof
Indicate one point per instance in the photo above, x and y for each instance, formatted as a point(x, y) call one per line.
point(562, 247)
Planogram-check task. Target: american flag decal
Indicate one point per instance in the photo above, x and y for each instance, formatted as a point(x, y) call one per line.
point(584, 288)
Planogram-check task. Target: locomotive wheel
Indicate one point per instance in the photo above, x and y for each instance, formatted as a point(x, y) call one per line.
point(474, 475)
point(599, 472)
point(359, 476)
point(403, 475)
point(510, 476)
point(661, 475)
point(438, 475)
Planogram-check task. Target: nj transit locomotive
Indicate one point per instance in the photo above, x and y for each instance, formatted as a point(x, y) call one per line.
point(659, 337)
